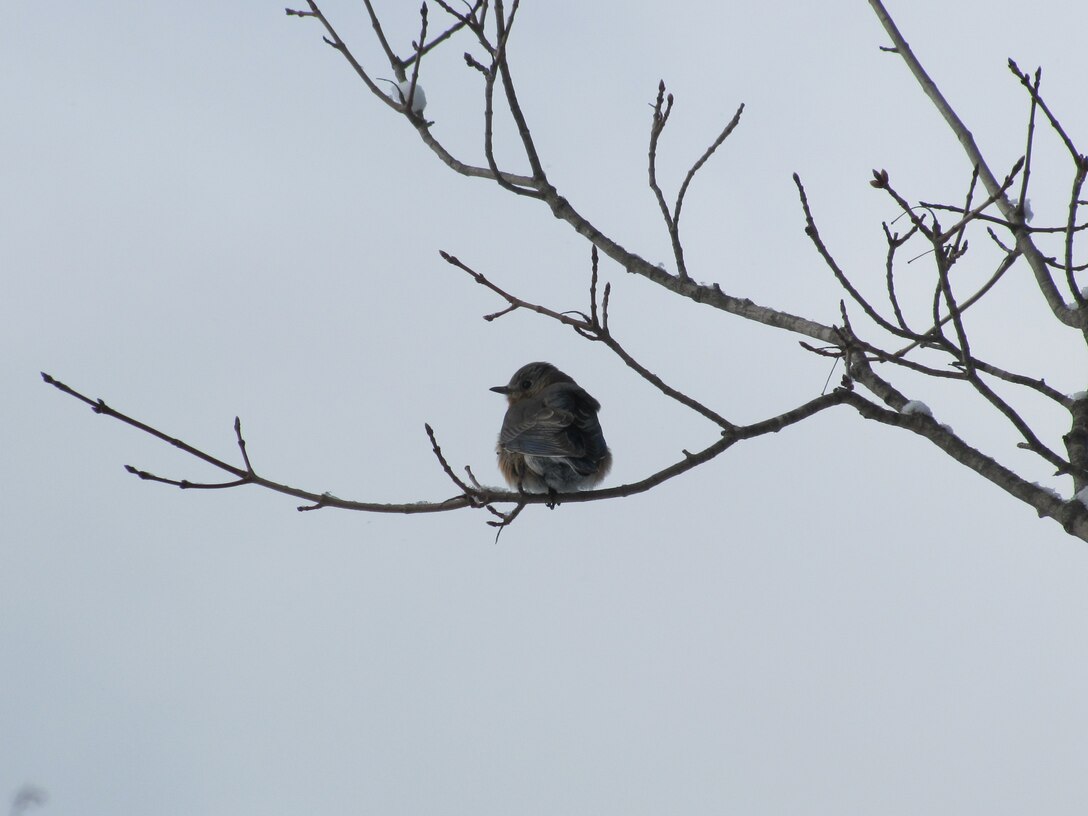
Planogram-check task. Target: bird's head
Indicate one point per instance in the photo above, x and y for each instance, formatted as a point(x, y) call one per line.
point(530, 380)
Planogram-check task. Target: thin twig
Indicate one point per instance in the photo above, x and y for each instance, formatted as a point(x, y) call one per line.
point(1037, 99)
point(394, 61)
point(662, 108)
point(504, 27)
point(409, 102)
point(441, 38)
point(100, 407)
point(814, 235)
point(729, 128)
point(894, 242)
point(1074, 199)
point(437, 450)
point(590, 328)
point(1002, 268)
point(967, 208)
point(1022, 201)
point(242, 445)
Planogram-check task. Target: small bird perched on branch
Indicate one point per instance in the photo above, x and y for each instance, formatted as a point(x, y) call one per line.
point(550, 440)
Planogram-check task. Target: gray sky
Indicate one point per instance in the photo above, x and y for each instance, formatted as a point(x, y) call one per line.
point(205, 215)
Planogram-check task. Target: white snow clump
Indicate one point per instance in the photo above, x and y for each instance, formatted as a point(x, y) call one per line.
point(1028, 214)
point(1050, 490)
point(399, 93)
point(916, 407)
point(1078, 395)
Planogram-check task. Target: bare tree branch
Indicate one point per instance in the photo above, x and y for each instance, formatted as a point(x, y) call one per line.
point(592, 329)
point(471, 496)
point(945, 246)
point(1068, 316)
point(662, 108)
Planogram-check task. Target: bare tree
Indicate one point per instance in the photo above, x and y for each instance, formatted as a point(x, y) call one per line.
point(893, 340)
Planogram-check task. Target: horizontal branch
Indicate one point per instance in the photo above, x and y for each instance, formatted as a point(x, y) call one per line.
point(1073, 515)
point(472, 496)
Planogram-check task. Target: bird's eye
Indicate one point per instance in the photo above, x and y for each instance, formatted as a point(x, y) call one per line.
point(526, 385)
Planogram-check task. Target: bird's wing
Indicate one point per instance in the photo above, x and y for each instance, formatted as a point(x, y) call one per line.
point(540, 426)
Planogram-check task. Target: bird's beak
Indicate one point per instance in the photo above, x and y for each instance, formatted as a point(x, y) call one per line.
point(500, 389)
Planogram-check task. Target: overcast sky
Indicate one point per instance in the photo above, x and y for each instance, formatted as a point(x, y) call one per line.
point(205, 214)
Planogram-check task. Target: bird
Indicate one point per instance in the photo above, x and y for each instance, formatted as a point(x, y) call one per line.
point(551, 440)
